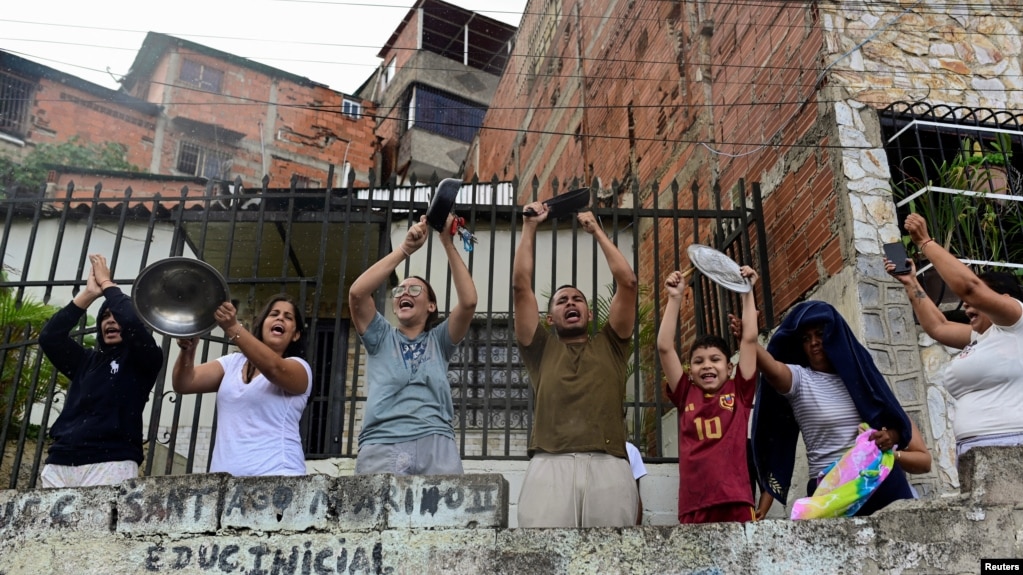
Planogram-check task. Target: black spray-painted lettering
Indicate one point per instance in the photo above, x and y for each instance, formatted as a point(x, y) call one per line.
point(57, 514)
point(314, 506)
point(482, 499)
point(264, 559)
point(244, 500)
point(182, 557)
point(137, 507)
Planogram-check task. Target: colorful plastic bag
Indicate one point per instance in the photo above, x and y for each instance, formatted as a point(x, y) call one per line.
point(849, 482)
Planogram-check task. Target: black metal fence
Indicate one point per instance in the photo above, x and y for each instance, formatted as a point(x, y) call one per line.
point(312, 243)
point(962, 169)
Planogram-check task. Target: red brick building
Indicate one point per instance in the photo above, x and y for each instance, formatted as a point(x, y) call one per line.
point(189, 111)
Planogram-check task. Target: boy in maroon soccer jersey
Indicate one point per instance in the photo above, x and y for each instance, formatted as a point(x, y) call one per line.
point(713, 413)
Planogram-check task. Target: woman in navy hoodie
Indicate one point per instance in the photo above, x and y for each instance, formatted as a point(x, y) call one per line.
point(97, 439)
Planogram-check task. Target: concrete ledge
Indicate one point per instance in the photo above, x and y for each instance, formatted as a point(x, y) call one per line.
point(173, 504)
point(207, 524)
point(449, 502)
point(993, 475)
point(271, 504)
point(87, 509)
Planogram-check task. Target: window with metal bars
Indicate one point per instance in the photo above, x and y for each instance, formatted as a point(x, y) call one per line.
point(15, 97)
point(960, 168)
point(445, 114)
point(197, 160)
point(489, 385)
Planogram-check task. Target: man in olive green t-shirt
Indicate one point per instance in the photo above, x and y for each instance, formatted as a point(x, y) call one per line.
point(578, 474)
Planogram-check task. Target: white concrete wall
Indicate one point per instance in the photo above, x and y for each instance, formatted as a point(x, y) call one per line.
point(659, 489)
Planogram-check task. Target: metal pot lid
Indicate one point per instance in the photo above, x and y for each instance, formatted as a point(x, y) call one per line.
point(718, 267)
point(177, 296)
point(442, 203)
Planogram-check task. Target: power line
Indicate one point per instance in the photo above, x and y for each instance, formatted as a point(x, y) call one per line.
point(603, 60)
point(775, 70)
point(770, 143)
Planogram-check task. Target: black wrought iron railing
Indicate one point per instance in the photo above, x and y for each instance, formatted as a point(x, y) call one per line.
point(312, 243)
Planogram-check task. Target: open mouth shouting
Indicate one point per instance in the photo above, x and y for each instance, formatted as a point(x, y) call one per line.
point(709, 376)
point(406, 303)
point(573, 316)
point(111, 331)
point(277, 329)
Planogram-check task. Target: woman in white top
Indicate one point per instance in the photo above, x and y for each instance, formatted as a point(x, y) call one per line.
point(986, 378)
point(261, 391)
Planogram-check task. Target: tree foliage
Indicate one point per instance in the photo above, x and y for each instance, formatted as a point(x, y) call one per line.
point(31, 171)
point(20, 323)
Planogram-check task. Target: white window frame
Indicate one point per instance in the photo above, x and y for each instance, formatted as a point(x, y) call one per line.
point(351, 108)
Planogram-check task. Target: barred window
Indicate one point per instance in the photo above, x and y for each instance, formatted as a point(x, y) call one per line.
point(15, 97)
point(489, 384)
point(197, 160)
point(201, 76)
point(445, 114)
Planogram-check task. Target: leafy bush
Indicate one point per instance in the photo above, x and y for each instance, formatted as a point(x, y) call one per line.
point(31, 171)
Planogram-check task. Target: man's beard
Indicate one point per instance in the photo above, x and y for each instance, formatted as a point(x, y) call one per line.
point(569, 332)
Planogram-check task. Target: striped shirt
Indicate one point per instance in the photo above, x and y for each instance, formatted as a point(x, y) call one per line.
point(826, 415)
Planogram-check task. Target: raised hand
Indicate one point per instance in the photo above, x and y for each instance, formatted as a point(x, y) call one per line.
point(750, 274)
point(538, 208)
point(416, 236)
point(226, 316)
point(905, 279)
point(675, 284)
point(588, 221)
point(916, 225)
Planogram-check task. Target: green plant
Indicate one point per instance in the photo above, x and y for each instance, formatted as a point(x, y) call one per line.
point(972, 226)
point(20, 323)
point(980, 166)
point(31, 171)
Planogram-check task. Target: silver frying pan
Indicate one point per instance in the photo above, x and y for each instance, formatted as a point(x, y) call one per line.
point(177, 296)
point(718, 267)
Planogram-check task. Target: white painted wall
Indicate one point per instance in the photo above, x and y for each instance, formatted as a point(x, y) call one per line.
point(659, 489)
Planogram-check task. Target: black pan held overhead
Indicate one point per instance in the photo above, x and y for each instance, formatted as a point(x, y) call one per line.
point(566, 204)
point(442, 203)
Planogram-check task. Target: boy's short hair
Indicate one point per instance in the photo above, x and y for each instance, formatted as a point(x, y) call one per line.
point(708, 341)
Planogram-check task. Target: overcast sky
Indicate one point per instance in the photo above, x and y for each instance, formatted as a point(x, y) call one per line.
point(331, 42)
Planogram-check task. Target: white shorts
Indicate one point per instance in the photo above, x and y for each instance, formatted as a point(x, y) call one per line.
point(88, 475)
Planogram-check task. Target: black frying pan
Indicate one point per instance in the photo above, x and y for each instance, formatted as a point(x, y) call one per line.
point(566, 204)
point(442, 202)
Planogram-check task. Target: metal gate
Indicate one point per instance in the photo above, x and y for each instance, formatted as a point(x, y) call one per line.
point(312, 243)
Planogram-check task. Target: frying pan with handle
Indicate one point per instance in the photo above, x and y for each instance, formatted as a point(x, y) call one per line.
point(442, 202)
point(566, 204)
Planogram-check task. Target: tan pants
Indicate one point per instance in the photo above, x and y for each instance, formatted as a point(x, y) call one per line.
point(590, 489)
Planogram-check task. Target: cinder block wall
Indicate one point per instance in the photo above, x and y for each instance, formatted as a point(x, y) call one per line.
point(458, 524)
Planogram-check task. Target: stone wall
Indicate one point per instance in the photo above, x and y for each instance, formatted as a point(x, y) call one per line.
point(878, 54)
point(457, 524)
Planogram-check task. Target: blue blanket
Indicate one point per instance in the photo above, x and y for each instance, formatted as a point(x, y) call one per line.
point(774, 426)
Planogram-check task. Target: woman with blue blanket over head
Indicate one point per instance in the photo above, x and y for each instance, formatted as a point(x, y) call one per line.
point(818, 380)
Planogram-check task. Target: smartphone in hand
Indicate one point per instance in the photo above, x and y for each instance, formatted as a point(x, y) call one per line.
point(896, 253)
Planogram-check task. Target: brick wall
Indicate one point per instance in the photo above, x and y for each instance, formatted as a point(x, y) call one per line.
point(635, 95)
